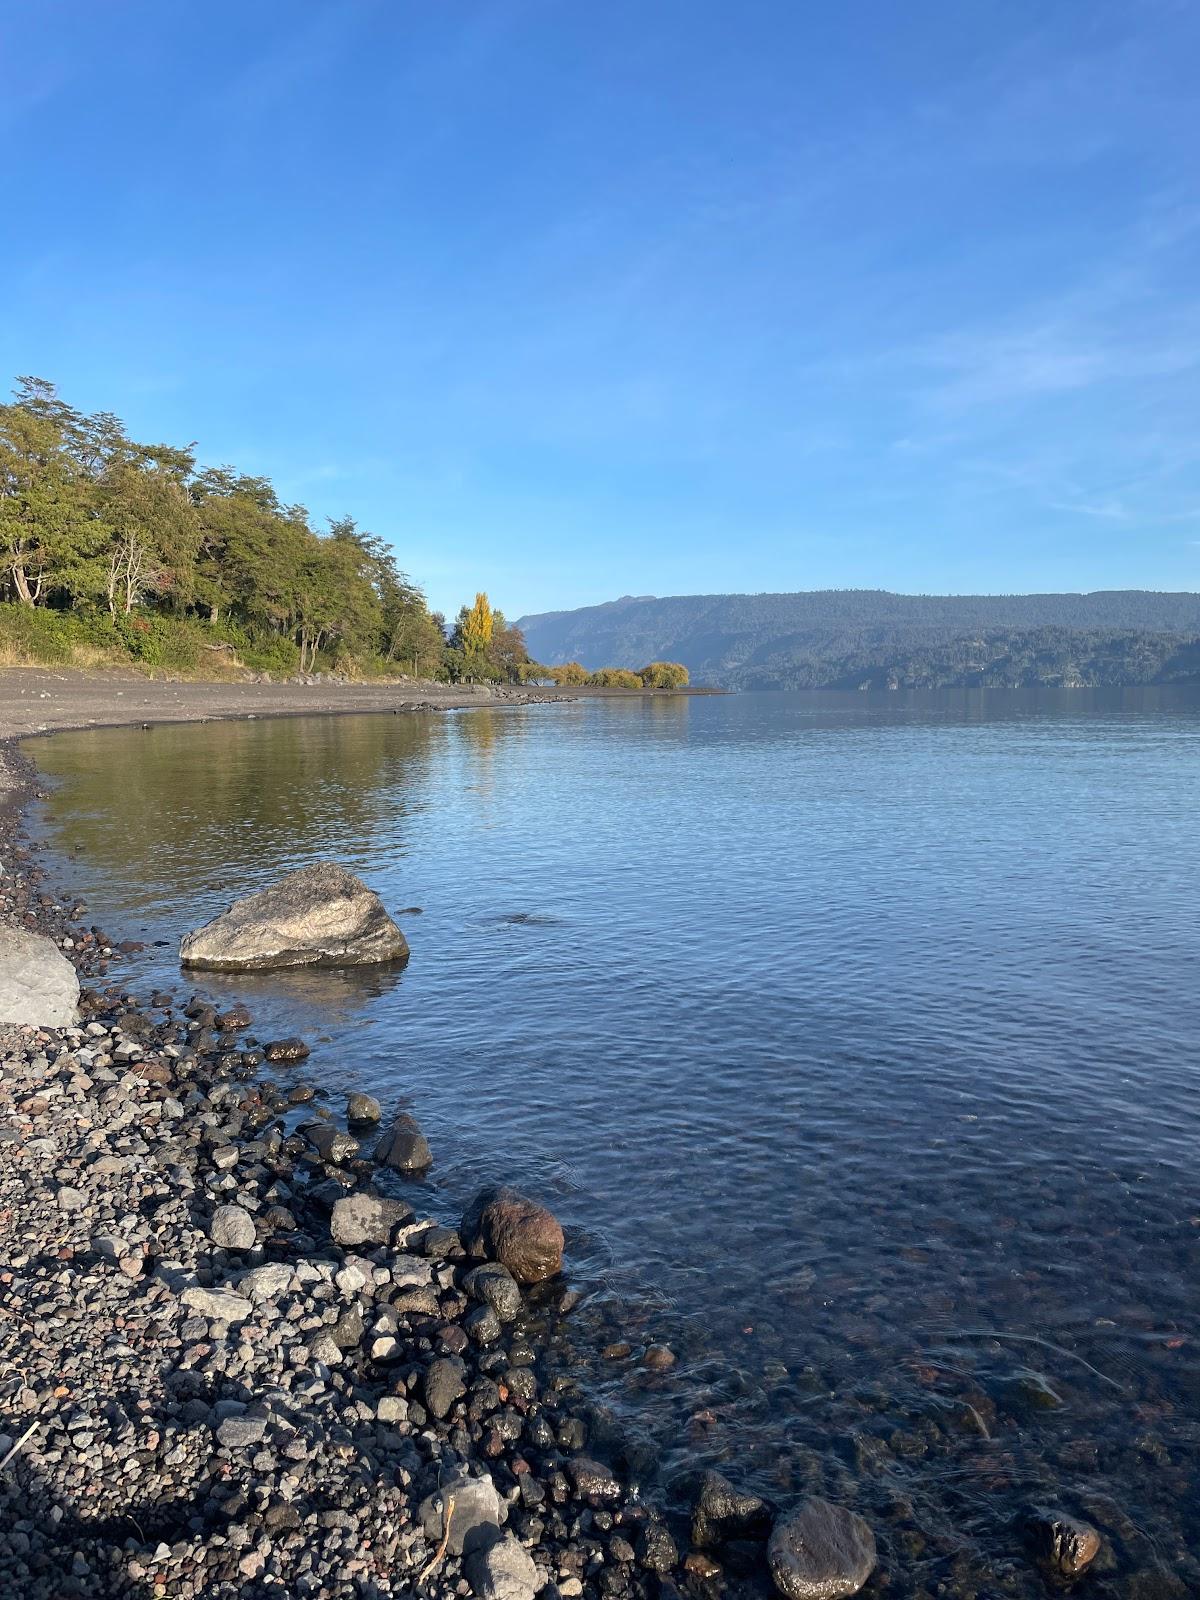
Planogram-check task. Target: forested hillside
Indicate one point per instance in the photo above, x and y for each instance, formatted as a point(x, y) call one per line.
point(872, 638)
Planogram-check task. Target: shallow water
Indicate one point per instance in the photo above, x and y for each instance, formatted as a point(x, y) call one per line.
point(854, 1038)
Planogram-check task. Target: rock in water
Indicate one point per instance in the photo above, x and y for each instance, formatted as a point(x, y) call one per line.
point(723, 1513)
point(820, 1552)
point(363, 1108)
point(523, 1236)
point(320, 916)
point(38, 985)
point(405, 1148)
point(1064, 1545)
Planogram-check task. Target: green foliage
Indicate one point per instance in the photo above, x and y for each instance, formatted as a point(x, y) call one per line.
point(29, 634)
point(180, 561)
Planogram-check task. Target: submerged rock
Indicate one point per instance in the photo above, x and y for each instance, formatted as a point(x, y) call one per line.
point(38, 985)
point(523, 1236)
point(321, 915)
point(820, 1552)
point(723, 1513)
point(1063, 1545)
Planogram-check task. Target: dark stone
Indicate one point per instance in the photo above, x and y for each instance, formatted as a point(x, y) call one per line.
point(592, 1480)
point(505, 1226)
point(404, 1147)
point(723, 1512)
point(483, 1325)
point(445, 1382)
point(495, 1285)
point(820, 1552)
point(656, 1549)
point(292, 1049)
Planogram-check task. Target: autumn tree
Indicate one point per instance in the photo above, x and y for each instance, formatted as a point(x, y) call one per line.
point(475, 627)
point(615, 678)
point(664, 675)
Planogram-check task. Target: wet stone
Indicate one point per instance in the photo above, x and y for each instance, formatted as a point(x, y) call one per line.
point(723, 1513)
point(1065, 1546)
point(404, 1147)
point(820, 1552)
point(363, 1108)
point(290, 1049)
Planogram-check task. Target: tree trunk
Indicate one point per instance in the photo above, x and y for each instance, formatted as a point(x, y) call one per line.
point(21, 584)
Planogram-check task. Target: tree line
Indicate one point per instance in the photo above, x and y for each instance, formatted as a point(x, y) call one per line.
point(135, 548)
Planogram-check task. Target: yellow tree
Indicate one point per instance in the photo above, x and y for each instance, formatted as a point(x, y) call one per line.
point(477, 627)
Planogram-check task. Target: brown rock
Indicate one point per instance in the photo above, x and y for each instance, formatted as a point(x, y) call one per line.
point(1064, 1545)
point(502, 1225)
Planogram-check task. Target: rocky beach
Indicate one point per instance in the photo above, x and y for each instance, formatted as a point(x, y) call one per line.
point(235, 1356)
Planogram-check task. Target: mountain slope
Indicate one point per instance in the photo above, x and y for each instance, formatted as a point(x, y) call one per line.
point(828, 636)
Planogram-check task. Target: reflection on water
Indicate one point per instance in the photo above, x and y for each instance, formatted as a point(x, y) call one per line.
point(853, 1037)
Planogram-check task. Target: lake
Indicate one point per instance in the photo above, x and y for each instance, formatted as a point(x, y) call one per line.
point(853, 1038)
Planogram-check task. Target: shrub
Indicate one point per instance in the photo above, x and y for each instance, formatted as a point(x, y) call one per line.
point(616, 678)
point(664, 675)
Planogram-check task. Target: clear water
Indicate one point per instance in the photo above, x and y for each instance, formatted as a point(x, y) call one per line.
point(854, 1038)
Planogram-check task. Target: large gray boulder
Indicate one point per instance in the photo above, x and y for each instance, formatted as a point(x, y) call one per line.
point(820, 1552)
point(320, 916)
point(39, 987)
point(503, 1570)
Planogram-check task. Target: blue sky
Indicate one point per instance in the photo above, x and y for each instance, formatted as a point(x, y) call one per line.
point(570, 300)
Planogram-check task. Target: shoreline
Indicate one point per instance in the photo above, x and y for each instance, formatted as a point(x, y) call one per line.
point(41, 700)
point(286, 1411)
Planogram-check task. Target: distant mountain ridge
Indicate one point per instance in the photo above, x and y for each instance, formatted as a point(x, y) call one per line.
point(872, 637)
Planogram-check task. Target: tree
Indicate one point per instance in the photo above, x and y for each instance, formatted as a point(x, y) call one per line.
point(664, 675)
point(51, 538)
point(476, 626)
point(508, 652)
point(568, 676)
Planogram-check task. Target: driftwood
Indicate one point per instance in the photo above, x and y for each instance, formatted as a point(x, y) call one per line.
point(438, 1556)
point(28, 1434)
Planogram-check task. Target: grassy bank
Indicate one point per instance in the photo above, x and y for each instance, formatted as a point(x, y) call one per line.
point(181, 647)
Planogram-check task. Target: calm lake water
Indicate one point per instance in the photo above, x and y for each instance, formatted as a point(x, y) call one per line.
point(854, 1038)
